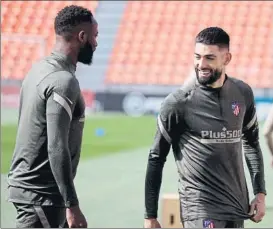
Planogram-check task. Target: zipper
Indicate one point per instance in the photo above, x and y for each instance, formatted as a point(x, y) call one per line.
point(220, 104)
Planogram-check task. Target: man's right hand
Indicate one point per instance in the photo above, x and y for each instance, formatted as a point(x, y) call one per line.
point(75, 218)
point(151, 223)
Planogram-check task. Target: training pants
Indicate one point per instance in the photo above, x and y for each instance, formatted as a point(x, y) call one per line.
point(32, 216)
point(210, 223)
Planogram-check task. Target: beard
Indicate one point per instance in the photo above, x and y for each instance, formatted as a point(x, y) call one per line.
point(85, 55)
point(215, 74)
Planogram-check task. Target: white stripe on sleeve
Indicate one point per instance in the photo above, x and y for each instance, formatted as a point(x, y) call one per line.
point(59, 99)
point(163, 131)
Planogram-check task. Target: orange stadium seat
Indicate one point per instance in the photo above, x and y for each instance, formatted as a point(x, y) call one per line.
point(29, 33)
point(154, 44)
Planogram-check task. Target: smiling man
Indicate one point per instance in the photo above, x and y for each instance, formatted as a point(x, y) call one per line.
point(50, 128)
point(206, 123)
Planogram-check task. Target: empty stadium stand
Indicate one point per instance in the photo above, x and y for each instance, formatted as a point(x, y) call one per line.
point(27, 33)
point(155, 40)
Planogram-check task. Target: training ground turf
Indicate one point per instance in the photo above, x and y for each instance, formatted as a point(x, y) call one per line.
point(110, 179)
point(102, 135)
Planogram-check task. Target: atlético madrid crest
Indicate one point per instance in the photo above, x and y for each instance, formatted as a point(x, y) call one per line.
point(235, 108)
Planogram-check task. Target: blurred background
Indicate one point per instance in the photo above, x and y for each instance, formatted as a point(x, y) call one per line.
point(145, 51)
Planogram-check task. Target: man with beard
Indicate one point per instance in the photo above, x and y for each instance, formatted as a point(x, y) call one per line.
point(206, 122)
point(50, 127)
point(268, 132)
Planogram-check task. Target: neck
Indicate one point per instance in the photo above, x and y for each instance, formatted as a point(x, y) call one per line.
point(219, 82)
point(66, 49)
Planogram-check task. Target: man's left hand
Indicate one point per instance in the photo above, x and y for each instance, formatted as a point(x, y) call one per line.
point(257, 208)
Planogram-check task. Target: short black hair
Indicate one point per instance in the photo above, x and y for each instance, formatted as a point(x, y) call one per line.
point(213, 36)
point(70, 17)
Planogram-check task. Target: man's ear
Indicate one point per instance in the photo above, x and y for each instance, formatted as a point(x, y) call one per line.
point(228, 58)
point(82, 37)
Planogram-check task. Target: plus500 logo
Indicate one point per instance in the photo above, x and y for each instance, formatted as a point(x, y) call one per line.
point(221, 135)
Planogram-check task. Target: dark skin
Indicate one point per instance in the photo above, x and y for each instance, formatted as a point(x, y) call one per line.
point(80, 45)
point(83, 35)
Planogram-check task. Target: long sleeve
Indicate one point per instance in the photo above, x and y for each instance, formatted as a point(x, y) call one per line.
point(75, 142)
point(251, 145)
point(60, 104)
point(268, 130)
point(167, 132)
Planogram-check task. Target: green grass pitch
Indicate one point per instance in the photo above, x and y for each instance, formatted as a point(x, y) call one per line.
point(120, 133)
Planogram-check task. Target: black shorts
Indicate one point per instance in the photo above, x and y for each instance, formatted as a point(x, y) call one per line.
point(211, 223)
point(33, 216)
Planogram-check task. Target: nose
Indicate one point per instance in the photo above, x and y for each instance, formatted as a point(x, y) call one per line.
point(202, 63)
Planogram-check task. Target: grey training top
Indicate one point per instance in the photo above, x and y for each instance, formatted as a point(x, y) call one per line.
point(49, 136)
point(206, 129)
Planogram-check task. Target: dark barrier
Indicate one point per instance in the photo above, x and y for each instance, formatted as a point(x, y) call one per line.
point(138, 104)
point(131, 103)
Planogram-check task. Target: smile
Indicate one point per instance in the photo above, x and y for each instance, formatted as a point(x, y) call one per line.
point(204, 73)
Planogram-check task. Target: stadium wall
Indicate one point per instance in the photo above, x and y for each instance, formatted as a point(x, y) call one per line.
point(130, 100)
